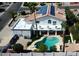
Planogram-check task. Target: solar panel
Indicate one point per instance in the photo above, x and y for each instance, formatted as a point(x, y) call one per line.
point(42, 10)
point(52, 10)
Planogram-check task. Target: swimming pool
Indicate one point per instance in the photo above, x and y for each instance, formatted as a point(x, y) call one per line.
point(49, 42)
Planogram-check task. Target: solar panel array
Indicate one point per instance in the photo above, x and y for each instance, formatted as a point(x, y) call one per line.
point(42, 10)
point(52, 10)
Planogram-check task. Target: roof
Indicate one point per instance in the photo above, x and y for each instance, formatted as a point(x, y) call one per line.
point(22, 24)
point(26, 23)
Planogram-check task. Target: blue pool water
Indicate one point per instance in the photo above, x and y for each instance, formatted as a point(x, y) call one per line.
point(49, 41)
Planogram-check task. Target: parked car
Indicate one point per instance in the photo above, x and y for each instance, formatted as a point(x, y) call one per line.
point(14, 39)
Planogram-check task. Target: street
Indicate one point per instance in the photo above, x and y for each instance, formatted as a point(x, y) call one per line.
point(4, 19)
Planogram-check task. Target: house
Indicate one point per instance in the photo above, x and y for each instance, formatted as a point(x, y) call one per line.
point(46, 24)
point(70, 4)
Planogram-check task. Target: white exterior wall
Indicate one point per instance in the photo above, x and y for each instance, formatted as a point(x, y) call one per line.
point(26, 33)
point(43, 22)
point(22, 33)
point(46, 21)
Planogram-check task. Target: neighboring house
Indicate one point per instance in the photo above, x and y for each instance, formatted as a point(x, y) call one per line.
point(70, 3)
point(47, 24)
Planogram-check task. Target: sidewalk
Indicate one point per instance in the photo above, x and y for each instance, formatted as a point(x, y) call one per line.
point(5, 35)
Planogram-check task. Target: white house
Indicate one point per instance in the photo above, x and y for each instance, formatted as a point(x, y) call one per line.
point(47, 24)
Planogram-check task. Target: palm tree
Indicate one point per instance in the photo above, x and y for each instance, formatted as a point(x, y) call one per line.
point(13, 15)
point(32, 7)
point(64, 26)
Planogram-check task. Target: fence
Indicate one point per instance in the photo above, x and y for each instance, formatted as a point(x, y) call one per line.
point(41, 54)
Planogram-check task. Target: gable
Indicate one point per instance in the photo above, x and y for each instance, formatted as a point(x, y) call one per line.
point(48, 20)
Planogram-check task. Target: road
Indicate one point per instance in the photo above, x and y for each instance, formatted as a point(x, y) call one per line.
point(5, 18)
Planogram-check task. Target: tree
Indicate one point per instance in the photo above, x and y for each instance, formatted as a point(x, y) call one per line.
point(17, 48)
point(53, 49)
point(42, 3)
point(42, 47)
point(1, 3)
point(13, 15)
point(71, 18)
point(77, 26)
point(64, 25)
point(23, 13)
point(75, 31)
point(1, 10)
point(32, 7)
point(59, 4)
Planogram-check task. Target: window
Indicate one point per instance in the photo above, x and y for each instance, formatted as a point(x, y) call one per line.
point(37, 21)
point(49, 21)
point(54, 22)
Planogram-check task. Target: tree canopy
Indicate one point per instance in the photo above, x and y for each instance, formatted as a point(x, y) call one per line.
point(42, 47)
point(17, 47)
point(31, 6)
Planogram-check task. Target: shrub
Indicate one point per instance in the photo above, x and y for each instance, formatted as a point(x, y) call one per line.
point(35, 37)
point(1, 10)
point(53, 49)
point(23, 13)
point(17, 48)
point(59, 4)
point(42, 47)
point(42, 3)
point(29, 43)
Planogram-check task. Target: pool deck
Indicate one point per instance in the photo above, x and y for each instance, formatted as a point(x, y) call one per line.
point(72, 47)
point(32, 46)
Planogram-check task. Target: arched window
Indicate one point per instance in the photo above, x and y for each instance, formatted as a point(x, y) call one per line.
point(54, 22)
point(49, 21)
point(37, 21)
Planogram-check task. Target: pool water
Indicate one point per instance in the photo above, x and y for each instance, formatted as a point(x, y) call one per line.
point(49, 42)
